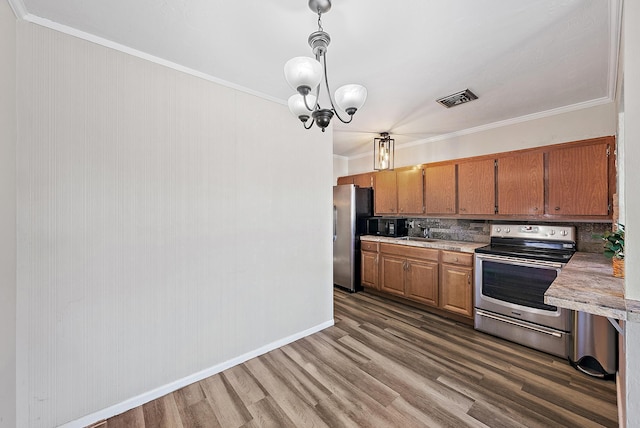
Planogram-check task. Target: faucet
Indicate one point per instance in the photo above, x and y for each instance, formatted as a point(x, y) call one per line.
point(425, 232)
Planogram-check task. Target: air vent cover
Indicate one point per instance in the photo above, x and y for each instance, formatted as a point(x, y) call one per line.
point(457, 98)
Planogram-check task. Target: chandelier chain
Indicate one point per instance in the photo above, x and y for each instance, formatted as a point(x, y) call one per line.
point(320, 21)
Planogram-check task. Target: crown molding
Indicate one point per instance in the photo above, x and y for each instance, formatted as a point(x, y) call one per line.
point(74, 32)
point(615, 34)
point(19, 10)
point(499, 124)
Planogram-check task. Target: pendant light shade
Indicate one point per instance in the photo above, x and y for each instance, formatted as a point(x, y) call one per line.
point(351, 97)
point(298, 107)
point(383, 152)
point(303, 74)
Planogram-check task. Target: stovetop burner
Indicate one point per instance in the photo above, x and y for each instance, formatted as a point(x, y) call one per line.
point(534, 242)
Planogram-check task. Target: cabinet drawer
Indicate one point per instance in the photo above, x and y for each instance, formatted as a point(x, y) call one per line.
point(457, 258)
point(369, 246)
point(410, 252)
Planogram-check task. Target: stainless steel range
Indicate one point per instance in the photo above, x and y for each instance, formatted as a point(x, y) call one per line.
point(512, 275)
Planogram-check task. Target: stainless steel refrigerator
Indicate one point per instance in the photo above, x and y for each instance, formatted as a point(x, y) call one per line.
point(352, 206)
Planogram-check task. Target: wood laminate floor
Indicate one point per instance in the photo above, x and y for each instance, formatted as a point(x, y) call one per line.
point(384, 364)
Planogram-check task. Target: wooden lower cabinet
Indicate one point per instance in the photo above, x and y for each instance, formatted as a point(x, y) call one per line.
point(421, 282)
point(369, 264)
point(437, 278)
point(456, 283)
point(409, 272)
point(392, 270)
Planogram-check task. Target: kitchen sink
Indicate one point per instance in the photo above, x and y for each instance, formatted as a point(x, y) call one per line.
point(415, 238)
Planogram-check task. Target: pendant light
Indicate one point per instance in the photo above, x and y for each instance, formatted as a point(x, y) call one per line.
point(305, 75)
point(383, 152)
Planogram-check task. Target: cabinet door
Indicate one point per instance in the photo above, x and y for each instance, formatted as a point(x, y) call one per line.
point(410, 188)
point(440, 189)
point(392, 274)
point(422, 282)
point(476, 187)
point(369, 266)
point(385, 195)
point(347, 179)
point(521, 184)
point(578, 180)
point(456, 289)
point(363, 180)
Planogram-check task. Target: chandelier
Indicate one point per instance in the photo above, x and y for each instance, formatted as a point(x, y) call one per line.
point(383, 152)
point(304, 74)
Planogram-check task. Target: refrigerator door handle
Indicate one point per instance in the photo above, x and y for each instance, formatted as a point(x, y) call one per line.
point(335, 223)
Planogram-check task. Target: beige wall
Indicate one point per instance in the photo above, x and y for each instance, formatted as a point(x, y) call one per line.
point(166, 228)
point(631, 100)
point(7, 216)
point(581, 124)
point(340, 167)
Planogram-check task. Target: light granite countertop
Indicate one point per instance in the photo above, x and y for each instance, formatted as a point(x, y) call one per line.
point(587, 284)
point(439, 244)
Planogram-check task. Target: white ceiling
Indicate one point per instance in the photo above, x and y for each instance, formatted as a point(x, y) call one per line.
point(521, 57)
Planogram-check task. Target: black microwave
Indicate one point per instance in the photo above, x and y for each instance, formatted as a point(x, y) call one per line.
point(384, 226)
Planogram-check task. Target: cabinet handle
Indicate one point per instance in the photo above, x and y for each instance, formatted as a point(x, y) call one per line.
point(456, 259)
point(535, 208)
point(557, 208)
point(464, 209)
point(469, 279)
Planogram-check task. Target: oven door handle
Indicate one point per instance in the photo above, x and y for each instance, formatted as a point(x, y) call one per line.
point(517, 323)
point(512, 260)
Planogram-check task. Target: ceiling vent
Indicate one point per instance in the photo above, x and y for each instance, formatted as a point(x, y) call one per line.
point(457, 98)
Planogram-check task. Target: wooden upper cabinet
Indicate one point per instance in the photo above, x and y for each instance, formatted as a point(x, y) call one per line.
point(521, 184)
point(410, 190)
point(579, 180)
point(440, 189)
point(363, 180)
point(385, 193)
point(476, 187)
point(347, 179)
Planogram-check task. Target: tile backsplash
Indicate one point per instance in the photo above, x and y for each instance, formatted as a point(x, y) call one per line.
point(478, 231)
point(451, 229)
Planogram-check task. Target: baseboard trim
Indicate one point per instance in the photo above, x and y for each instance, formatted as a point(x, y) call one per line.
point(180, 383)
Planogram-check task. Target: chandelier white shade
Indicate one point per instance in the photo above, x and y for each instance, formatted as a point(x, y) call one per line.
point(297, 105)
point(303, 72)
point(305, 76)
point(351, 97)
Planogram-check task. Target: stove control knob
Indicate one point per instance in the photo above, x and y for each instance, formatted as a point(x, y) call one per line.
point(498, 229)
point(552, 232)
point(507, 230)
point(563, 232)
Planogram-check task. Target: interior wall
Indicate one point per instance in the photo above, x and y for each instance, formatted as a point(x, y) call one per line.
point(576, 125)
point(632, 201)
point(340, 167)
point(166, 226)
point(7, 216)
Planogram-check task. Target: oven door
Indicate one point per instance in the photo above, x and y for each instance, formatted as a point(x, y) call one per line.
point(515, 288)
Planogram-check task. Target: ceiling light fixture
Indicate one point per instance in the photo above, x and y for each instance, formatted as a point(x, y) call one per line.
point(304, 75)
point(383, 152)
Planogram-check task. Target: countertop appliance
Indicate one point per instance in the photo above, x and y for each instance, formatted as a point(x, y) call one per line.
point(352, 206)
point(387, 226)
point(512, 274)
